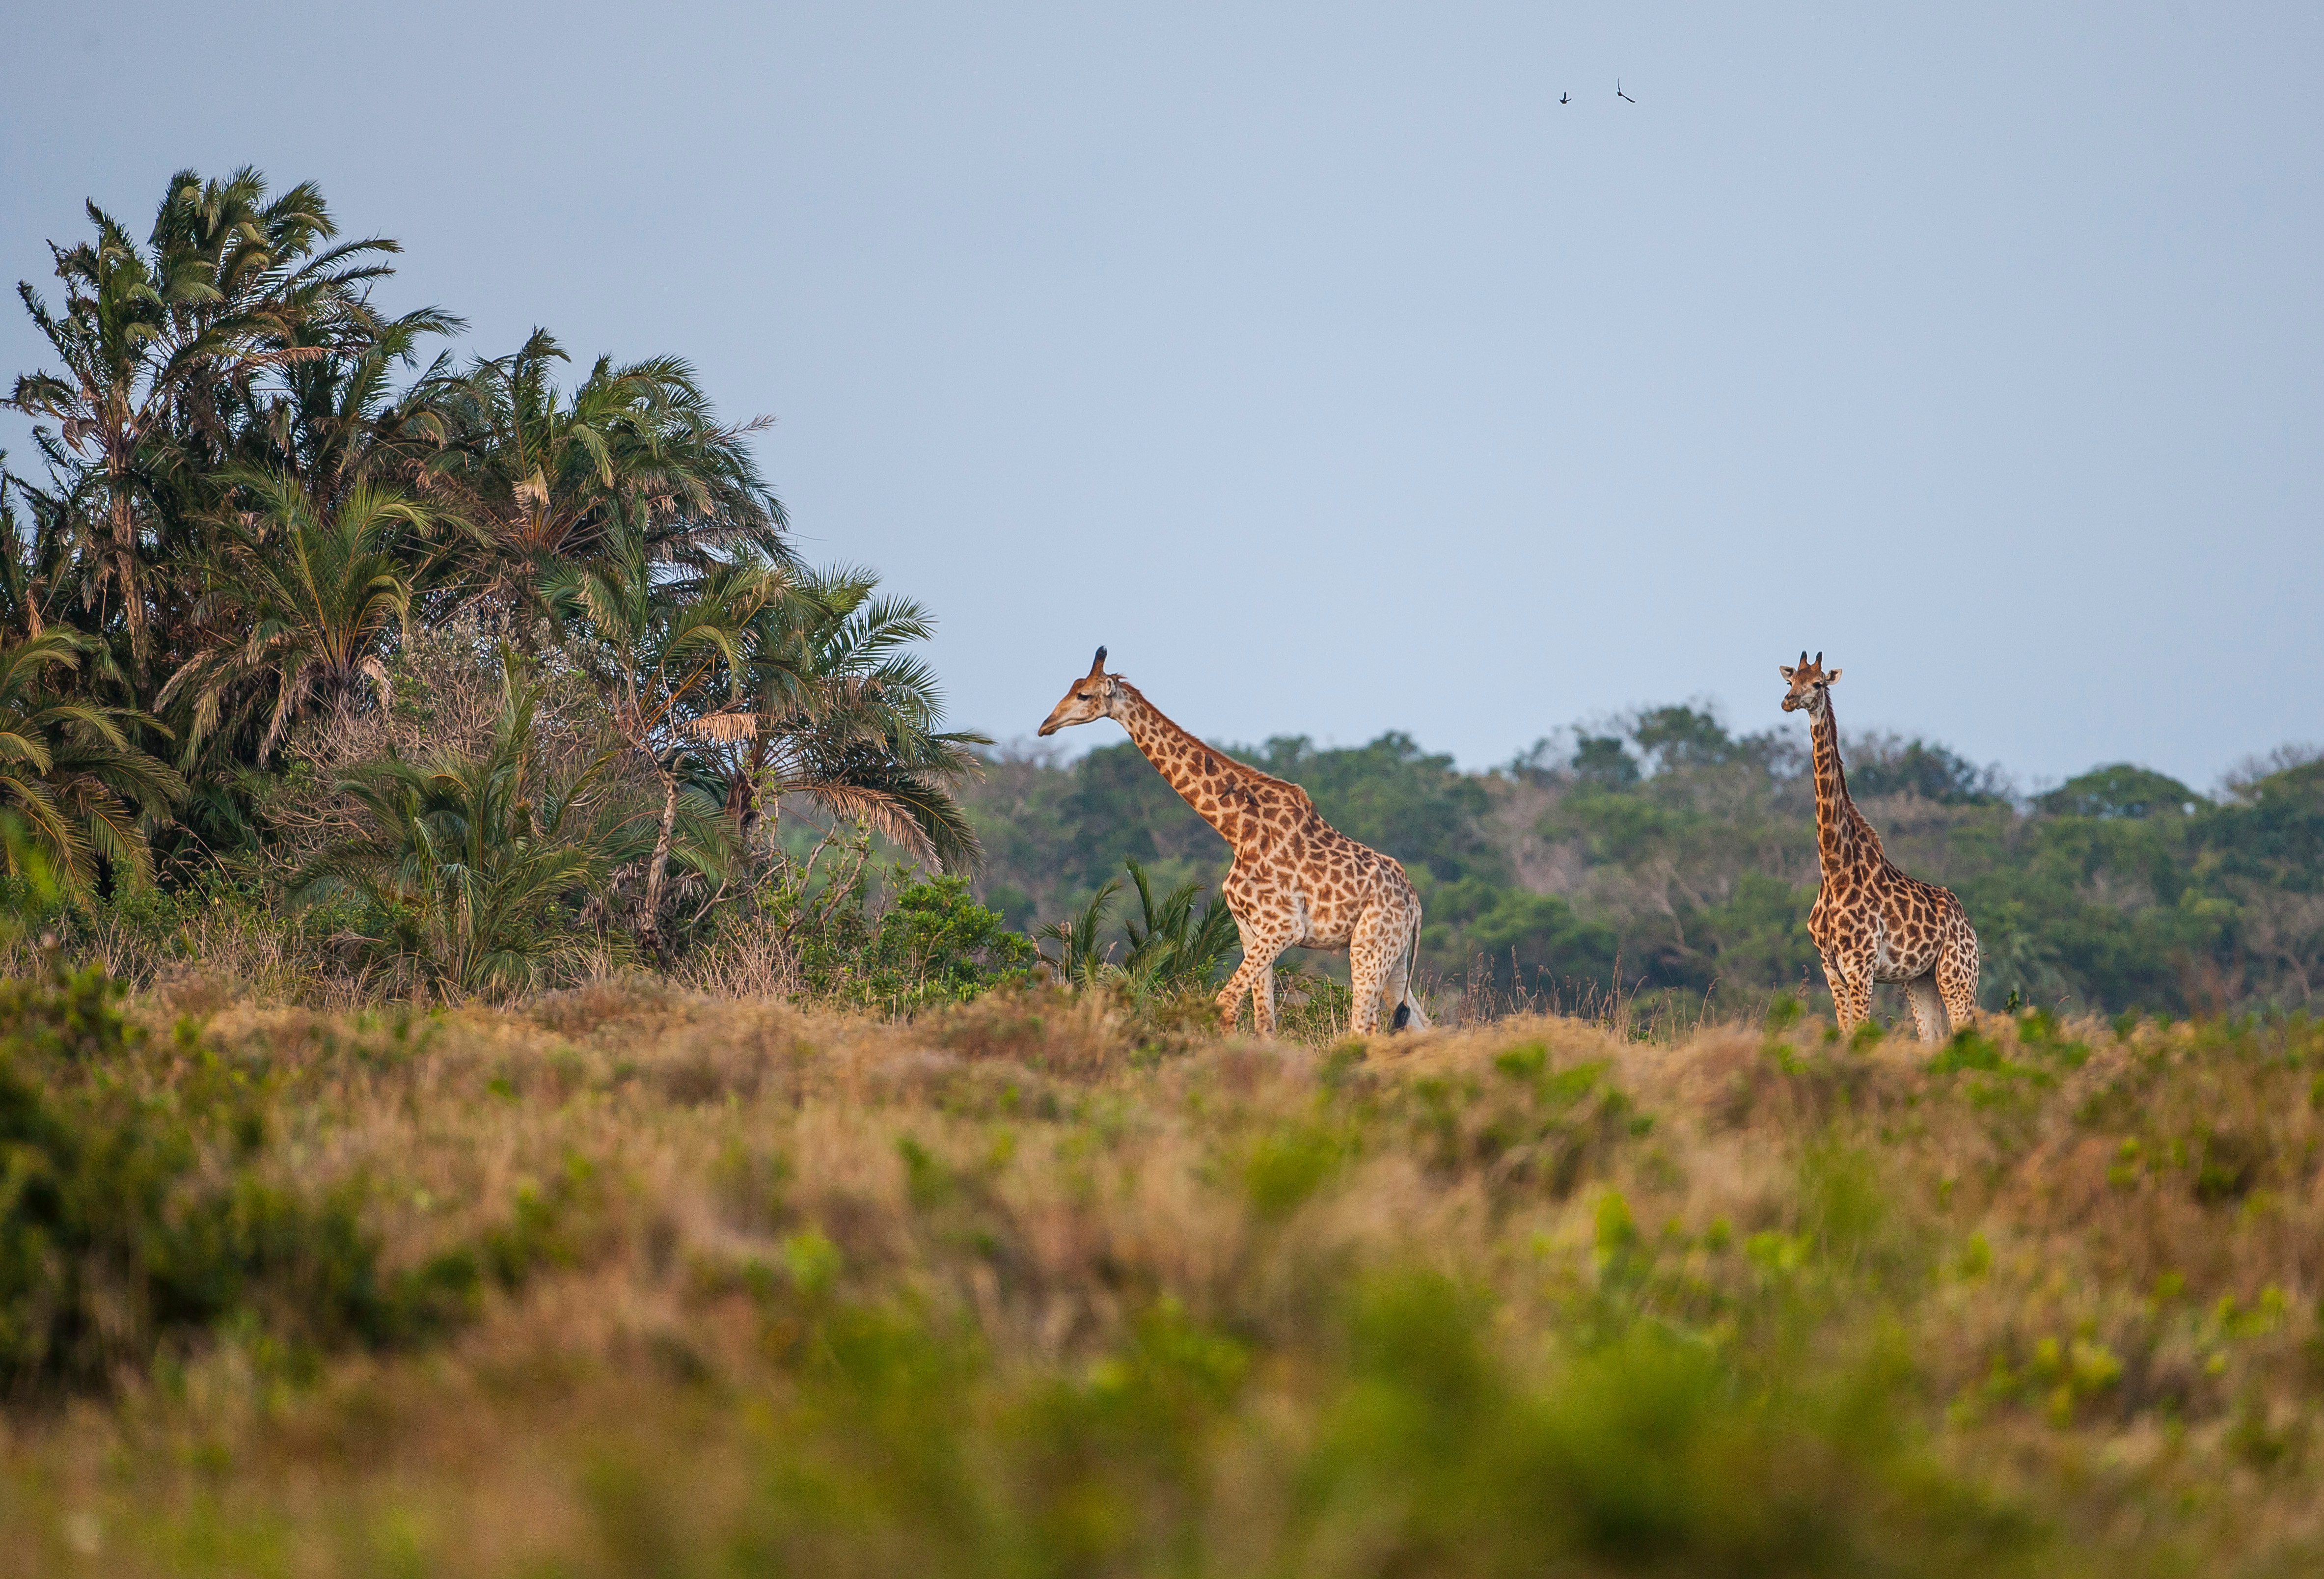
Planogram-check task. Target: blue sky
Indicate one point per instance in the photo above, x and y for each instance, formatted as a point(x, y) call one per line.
point(1325, 366)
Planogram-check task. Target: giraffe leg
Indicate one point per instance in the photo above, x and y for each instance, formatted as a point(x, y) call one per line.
point(1396, 981)
point(1852, 990)
point(1404, 994)
point(1255, 976)
point(1375, 966)
point(1262, 995)
point(1956, 973)
point(1229, 998)
point(1928, 1009)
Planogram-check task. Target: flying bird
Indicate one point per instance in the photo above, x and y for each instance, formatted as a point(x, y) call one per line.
point(1620, 95)
point(1565, 98)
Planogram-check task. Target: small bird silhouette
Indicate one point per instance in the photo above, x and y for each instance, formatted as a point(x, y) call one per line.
point(1565, 98)
point(1620, 95)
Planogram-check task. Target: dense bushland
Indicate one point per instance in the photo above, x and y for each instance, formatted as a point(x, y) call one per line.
point(638, 1282)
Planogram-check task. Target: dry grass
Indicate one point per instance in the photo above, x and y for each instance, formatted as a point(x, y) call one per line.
point(1002, 1291)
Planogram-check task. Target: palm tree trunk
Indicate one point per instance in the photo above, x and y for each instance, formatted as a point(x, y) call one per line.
point(651, 927)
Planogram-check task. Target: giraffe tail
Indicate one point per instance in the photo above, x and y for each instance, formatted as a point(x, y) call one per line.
point(1407, 1008)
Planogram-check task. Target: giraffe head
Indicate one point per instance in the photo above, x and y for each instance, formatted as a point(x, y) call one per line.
point(1090, 697)
point(1811, 684)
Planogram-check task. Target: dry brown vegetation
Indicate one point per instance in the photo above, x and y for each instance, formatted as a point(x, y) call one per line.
point(1021, 1289)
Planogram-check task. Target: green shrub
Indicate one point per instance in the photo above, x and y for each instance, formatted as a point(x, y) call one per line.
point(930, 945)
point(111, 1240)
point(131, 1226)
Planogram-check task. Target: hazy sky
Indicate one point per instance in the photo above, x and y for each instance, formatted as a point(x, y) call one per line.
point(1324, 365)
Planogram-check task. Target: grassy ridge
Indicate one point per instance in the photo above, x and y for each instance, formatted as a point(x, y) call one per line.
point(635, 1282)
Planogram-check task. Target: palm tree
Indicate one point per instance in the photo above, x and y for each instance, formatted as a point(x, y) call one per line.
point(1170, 949)
point(544, 482)
point(664, 649)
point(470, 868)
point(336, 419)
point(114, 393)
point(831, 705)
point(157, 351)
point(36, 572)
point(68, 768)
point(300, 608)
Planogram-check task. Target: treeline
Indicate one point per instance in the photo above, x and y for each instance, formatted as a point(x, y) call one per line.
point(1664, 852)
point(326, 650)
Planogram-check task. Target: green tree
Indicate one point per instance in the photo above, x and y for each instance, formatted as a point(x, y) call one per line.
point(544, 482)
point(832, 705)
point(2120, 790)
point(156, 351)
point(69, 768)
point(667, 651)
point(1882, 765)
point(300, 606)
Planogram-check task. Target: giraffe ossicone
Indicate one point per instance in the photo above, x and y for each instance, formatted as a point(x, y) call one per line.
point(1296, 882)
point(1872, 922)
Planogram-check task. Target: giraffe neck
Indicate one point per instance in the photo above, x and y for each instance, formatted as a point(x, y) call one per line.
point(1843, 838)
point(1199, 774)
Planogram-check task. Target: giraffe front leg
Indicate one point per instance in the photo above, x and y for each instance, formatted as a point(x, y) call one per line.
point(1255, 976)
point(1852, 990)
point(1229, 998)
point(1262, 999)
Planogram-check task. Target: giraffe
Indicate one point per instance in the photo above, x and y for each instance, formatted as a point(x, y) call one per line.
point(1296, 881)
point(1871, 922)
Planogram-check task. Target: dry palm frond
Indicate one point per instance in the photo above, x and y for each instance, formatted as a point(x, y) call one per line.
point(725, 728)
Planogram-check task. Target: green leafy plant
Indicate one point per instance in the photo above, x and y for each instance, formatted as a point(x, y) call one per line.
point(469, 872)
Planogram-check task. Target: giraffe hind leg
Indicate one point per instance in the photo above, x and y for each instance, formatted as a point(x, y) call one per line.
point(1364, 980)
point(1928, 1008)
point(1956, 973)
point(1369, 969)
point(1399, 990)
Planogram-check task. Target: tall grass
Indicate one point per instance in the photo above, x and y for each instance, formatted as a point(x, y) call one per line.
point(1021, 1288)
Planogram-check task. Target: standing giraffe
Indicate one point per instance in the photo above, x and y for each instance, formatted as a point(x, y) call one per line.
point(1871, 922)
point(1296, 881)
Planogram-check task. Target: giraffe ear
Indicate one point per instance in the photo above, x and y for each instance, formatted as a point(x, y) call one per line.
point(1786, 670)
point(1832, 677)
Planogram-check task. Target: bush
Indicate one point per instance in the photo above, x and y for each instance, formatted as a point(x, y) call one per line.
point(931, 945)
point(131, 1225)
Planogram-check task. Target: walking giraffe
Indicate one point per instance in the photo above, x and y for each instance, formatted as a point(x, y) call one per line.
point(1871, 922)
point(1296, 881)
